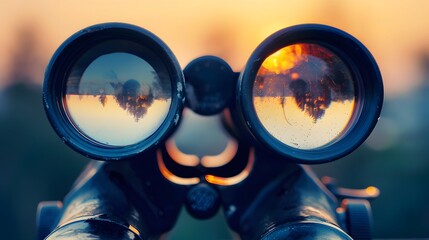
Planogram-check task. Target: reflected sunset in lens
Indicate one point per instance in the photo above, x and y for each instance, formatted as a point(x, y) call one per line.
point(304, 96)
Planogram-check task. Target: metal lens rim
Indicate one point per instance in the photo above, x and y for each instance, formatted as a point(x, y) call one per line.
point(67, 55)
point(368, 86)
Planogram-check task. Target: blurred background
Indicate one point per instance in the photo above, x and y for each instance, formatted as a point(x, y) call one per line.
point(35, 165)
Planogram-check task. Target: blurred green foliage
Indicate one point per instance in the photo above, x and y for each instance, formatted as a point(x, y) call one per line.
point(34, 165)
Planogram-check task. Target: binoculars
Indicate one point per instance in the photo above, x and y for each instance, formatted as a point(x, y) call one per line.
point(115, 93)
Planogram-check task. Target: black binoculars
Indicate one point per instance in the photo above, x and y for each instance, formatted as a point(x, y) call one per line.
point(115, 92)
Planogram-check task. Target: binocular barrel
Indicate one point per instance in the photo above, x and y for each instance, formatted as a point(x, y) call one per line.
point(113, 200)
point(308, 94)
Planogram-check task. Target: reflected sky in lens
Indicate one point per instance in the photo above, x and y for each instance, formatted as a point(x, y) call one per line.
point(304, 96)
point(118, 100)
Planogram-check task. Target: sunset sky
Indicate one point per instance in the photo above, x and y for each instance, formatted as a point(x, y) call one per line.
point(396, 32)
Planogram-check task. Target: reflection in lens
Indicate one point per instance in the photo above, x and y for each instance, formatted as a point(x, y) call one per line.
point(304, 95)
point(118, 99)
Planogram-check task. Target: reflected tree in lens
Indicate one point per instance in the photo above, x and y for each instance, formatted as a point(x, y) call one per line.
point(313, 102)
point(133, 97)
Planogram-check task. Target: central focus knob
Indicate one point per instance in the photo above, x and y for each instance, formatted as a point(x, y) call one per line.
point(202, 201)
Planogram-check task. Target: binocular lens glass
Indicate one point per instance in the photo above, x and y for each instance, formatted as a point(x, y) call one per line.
point(117, 98)
point(304, 95)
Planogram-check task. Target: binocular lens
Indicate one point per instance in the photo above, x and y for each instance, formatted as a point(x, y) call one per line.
point(304, 95)
point(119, 99)
point(311, 93)
point(113, 90)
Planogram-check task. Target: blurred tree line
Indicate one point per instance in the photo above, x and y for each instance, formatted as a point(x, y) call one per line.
point(395, 158)
point(35, 165)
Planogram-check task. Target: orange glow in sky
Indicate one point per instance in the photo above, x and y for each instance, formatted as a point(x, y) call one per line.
point(394, 31)
point(284, 59)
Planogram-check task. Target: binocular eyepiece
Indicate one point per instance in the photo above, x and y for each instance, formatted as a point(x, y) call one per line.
point(308, 93)
point(112, 91)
